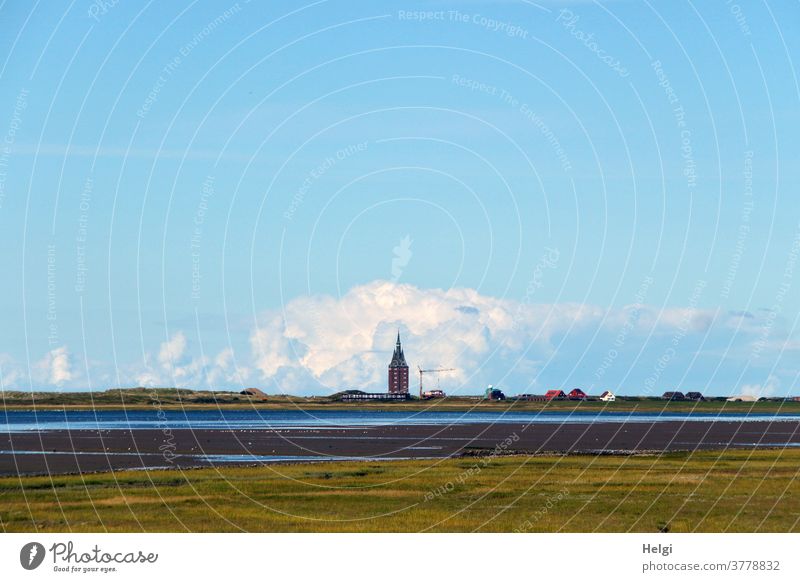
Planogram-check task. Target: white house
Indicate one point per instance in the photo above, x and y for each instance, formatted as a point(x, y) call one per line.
point(608, 396)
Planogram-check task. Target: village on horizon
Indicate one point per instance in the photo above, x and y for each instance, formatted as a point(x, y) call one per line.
point(398, 390)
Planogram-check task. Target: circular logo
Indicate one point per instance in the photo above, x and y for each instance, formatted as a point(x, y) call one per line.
point(31, 555)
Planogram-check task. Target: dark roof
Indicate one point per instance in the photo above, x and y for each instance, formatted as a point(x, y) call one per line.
point(398, 358)
point(253, 392)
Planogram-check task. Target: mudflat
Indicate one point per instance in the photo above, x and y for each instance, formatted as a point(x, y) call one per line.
point(83, 451)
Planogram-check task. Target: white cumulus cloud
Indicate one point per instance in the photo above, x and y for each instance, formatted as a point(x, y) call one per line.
point(321, 343)
point(178, 366)
point(768, 388)
point(344, 342)
point(10, 374)
point(55, 367)
point(172, 351)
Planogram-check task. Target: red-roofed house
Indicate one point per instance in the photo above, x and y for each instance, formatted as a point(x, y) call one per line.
point(555, 395)
point(577, 394)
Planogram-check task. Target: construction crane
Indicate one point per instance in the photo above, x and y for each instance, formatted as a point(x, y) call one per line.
point(434, 370)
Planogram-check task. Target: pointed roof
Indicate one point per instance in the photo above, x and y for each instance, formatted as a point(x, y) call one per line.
point(398, 358)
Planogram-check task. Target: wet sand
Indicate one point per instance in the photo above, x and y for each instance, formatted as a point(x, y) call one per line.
point(84, 451)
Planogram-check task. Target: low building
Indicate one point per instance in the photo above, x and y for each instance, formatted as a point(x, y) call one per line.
point(695, 396)
point(532, 397)
point(608, 396)
point(358, 395)
point(433, 394)
point(743, 398)
point(673, 396)
point(577, 394)
point(555, 395)
point(493, 393)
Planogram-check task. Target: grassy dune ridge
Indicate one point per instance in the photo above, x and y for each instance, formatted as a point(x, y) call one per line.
point(737, 490)
point(179, 398)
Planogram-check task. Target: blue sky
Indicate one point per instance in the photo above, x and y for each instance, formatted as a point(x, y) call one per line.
point(541, 195)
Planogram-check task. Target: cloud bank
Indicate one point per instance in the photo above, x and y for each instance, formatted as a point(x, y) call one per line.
point(321, 344)
point(345, 342)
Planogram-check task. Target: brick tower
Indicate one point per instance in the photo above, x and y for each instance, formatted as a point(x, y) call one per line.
point(398, 370)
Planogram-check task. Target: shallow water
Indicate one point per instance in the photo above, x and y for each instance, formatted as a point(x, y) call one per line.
point(24, 421)
point(222, 458)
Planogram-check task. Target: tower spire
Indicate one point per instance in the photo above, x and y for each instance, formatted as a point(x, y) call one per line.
point(398, 357)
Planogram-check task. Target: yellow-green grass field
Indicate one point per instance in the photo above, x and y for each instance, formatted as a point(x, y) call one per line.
point(736, 491)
